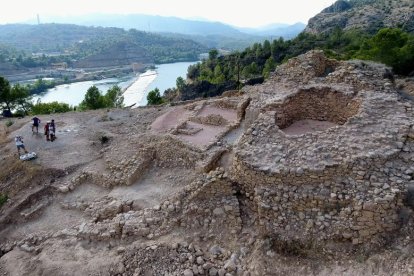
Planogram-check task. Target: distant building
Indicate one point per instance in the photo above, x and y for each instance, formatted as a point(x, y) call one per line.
point(203, 56)
point(60, 66)
point(137, 67)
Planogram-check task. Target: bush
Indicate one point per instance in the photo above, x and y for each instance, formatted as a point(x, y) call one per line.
point(154, 97)
point(95, 100)
point(9, 123)
point(48, 108)
point(104, 139)
point(3, 199)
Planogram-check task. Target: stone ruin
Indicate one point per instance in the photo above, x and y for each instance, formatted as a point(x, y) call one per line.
point(321, 152)
point(347, 182)
point(344, 180)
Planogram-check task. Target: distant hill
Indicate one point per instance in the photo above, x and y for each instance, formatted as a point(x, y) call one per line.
point(149, 23)
point(208, 33)
point(81, 42)
point(276, 30)
point(366, 15)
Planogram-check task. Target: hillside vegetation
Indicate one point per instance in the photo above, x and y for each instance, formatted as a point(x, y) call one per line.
point(365, 15)
point(208, 33)
point(213, 76)
point(377, 30)
point(70, 43)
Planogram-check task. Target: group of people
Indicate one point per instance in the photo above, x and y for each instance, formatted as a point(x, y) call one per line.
point(49, 132)
point(49, 128)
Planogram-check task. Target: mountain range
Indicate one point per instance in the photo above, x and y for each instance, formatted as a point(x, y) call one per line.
point(180, 26)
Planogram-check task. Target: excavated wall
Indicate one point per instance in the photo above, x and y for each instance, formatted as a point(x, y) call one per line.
point(348, 182)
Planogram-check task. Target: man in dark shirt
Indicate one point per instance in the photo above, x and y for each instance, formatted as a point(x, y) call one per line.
point(36, 122)
point(52, 130)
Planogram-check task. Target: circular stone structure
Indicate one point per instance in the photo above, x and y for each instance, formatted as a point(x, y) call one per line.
point(316, 103)
point(343, 183)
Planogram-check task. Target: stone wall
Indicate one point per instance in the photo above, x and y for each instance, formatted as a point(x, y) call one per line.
point(352, 202)
point(162, 151)
point(346, 183)
point(211, 119)
point(213, 207)
point(320, 103)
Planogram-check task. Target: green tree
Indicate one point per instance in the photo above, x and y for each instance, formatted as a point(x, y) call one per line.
point(386, 45)
point(21, 97)
point(193, 71)
point(393, 47)
point(254, 69)
point(113, 97)
point(154, 97)
point(218, 75)
point(269, 67)
point(267, 48)
point(213, 54)
point(180, 83)
point(258, 50)
point(93, 99)
point(206, 74)
point(6, 97)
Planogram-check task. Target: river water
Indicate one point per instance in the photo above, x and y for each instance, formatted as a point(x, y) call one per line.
point(137, 87)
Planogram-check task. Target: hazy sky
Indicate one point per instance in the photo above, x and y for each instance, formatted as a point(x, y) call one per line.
point(250, 13)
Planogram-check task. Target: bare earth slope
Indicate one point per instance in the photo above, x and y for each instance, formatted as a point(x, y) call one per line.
point(310, 173)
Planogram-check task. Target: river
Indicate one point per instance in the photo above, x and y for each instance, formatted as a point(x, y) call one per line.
point(137, 87)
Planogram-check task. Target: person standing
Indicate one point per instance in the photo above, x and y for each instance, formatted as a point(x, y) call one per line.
point(52, 130)
point(46, 128)
point(36, 122)
point(19, 144)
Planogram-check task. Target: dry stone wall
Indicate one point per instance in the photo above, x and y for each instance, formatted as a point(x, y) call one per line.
point(319, 103)
point(162, 151)
point(351, 202)
point(346, 183)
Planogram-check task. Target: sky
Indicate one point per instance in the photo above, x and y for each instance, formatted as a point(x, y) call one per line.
point(253, 13)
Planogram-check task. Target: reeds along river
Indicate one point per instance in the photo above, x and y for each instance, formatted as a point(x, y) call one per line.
point(137, 87)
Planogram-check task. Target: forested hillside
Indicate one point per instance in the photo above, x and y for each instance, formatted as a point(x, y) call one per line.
point(208, 33)
point(39, 45)
point(216, 74)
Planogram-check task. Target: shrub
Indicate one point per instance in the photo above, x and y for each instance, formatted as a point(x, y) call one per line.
point(104, 139)
point(154, 97)
point(48, 108)
point(9, 123)
point(95, 100)
point(3, 199)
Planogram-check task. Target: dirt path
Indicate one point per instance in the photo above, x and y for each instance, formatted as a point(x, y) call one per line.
point(154, 187)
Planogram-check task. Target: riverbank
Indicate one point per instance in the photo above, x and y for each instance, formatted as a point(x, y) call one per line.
point(136, 87)
point(134, 94)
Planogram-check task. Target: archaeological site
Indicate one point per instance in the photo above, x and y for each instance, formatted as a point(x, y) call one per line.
point(309, 173)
